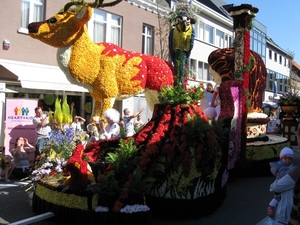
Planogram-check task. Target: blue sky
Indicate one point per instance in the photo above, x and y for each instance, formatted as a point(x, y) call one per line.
point(282, 19)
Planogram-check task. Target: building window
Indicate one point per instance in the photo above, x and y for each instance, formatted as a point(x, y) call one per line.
point(285, 64)
point(105, 27)
point(199, 70)
point(275, 57)
point(270, 54)
point(220, 39)
point(199, 28)
point(282, 82)
point(280, 59)
point(209, 34)
point(147, 43)
point(258, 43)
point(228, 41)
point(31, 11)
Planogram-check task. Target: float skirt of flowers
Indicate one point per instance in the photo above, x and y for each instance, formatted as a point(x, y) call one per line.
point(80, 209)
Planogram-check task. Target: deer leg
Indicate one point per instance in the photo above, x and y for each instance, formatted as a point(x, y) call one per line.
point(106, 104)
point(151, 98)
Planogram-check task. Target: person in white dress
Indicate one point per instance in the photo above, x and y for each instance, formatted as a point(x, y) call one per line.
point(112, 128)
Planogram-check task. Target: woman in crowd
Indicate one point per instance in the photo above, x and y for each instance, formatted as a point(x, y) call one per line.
point(21, 156)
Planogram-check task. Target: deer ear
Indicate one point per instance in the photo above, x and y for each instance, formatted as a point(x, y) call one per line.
point(81, 12)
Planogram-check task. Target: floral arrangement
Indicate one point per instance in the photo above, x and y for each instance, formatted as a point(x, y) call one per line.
point(289, 98)
point(55, 154)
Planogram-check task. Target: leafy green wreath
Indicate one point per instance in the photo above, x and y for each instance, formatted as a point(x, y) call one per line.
point(49, 99)
point(88, 107)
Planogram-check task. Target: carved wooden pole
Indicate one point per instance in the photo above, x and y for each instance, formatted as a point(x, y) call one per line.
point(242, 23)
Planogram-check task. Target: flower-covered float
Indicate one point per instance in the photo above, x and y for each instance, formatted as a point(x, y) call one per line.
point(174, 165)
point(242, 77)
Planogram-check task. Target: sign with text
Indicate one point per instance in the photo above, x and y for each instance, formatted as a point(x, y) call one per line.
point(18, 122)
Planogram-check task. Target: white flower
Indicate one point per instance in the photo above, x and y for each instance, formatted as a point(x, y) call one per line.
point(134, 208)
point(101, 209)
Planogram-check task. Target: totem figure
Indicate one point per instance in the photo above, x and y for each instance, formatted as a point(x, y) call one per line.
point(181, 39)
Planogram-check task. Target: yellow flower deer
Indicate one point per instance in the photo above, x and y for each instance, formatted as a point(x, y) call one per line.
point(106, 70)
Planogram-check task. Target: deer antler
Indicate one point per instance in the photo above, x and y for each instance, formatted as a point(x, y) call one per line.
point(95, 4)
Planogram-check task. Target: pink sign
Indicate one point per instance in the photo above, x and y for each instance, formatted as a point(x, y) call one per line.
point(18, 122)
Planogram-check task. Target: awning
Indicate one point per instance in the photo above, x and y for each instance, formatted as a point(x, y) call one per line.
point(37, 76)
point(271, 105)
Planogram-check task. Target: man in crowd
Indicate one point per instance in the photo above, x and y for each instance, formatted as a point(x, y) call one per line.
point(77, 123)
point(129, 121)
point(42, 128)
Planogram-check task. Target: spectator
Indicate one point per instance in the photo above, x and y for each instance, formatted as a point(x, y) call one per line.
point(55, 133)
point(216, 101)
point(112, 129)
point(207, 104)
point(7, 167)
point(208, 96)
point(42, 127)
point(138, 123)
point(121, 122)
point(285, 186)
point(21, 157)
point(72, 109)
point(295, 218)
point(77, 123)
point(93, 133)
point(128, 121)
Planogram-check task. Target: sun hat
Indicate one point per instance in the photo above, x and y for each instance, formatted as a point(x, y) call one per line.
point(286, 152)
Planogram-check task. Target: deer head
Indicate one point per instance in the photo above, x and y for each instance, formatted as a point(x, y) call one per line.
point(63, 28)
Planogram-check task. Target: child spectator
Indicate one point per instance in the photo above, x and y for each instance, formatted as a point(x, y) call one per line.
point(279, 169)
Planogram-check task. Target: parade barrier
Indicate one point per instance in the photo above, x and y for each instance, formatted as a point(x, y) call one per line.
point(34, 219)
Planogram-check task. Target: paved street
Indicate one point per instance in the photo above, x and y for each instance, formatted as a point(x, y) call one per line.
point(246, 203)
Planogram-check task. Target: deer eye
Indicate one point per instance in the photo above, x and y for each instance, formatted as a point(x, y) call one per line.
point(52, 20)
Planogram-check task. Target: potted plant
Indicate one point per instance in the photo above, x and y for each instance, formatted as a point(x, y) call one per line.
point(289, 98)
point(289, 103)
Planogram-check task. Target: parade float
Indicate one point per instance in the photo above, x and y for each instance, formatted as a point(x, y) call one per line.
point(176, 166)
point(241, 72)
